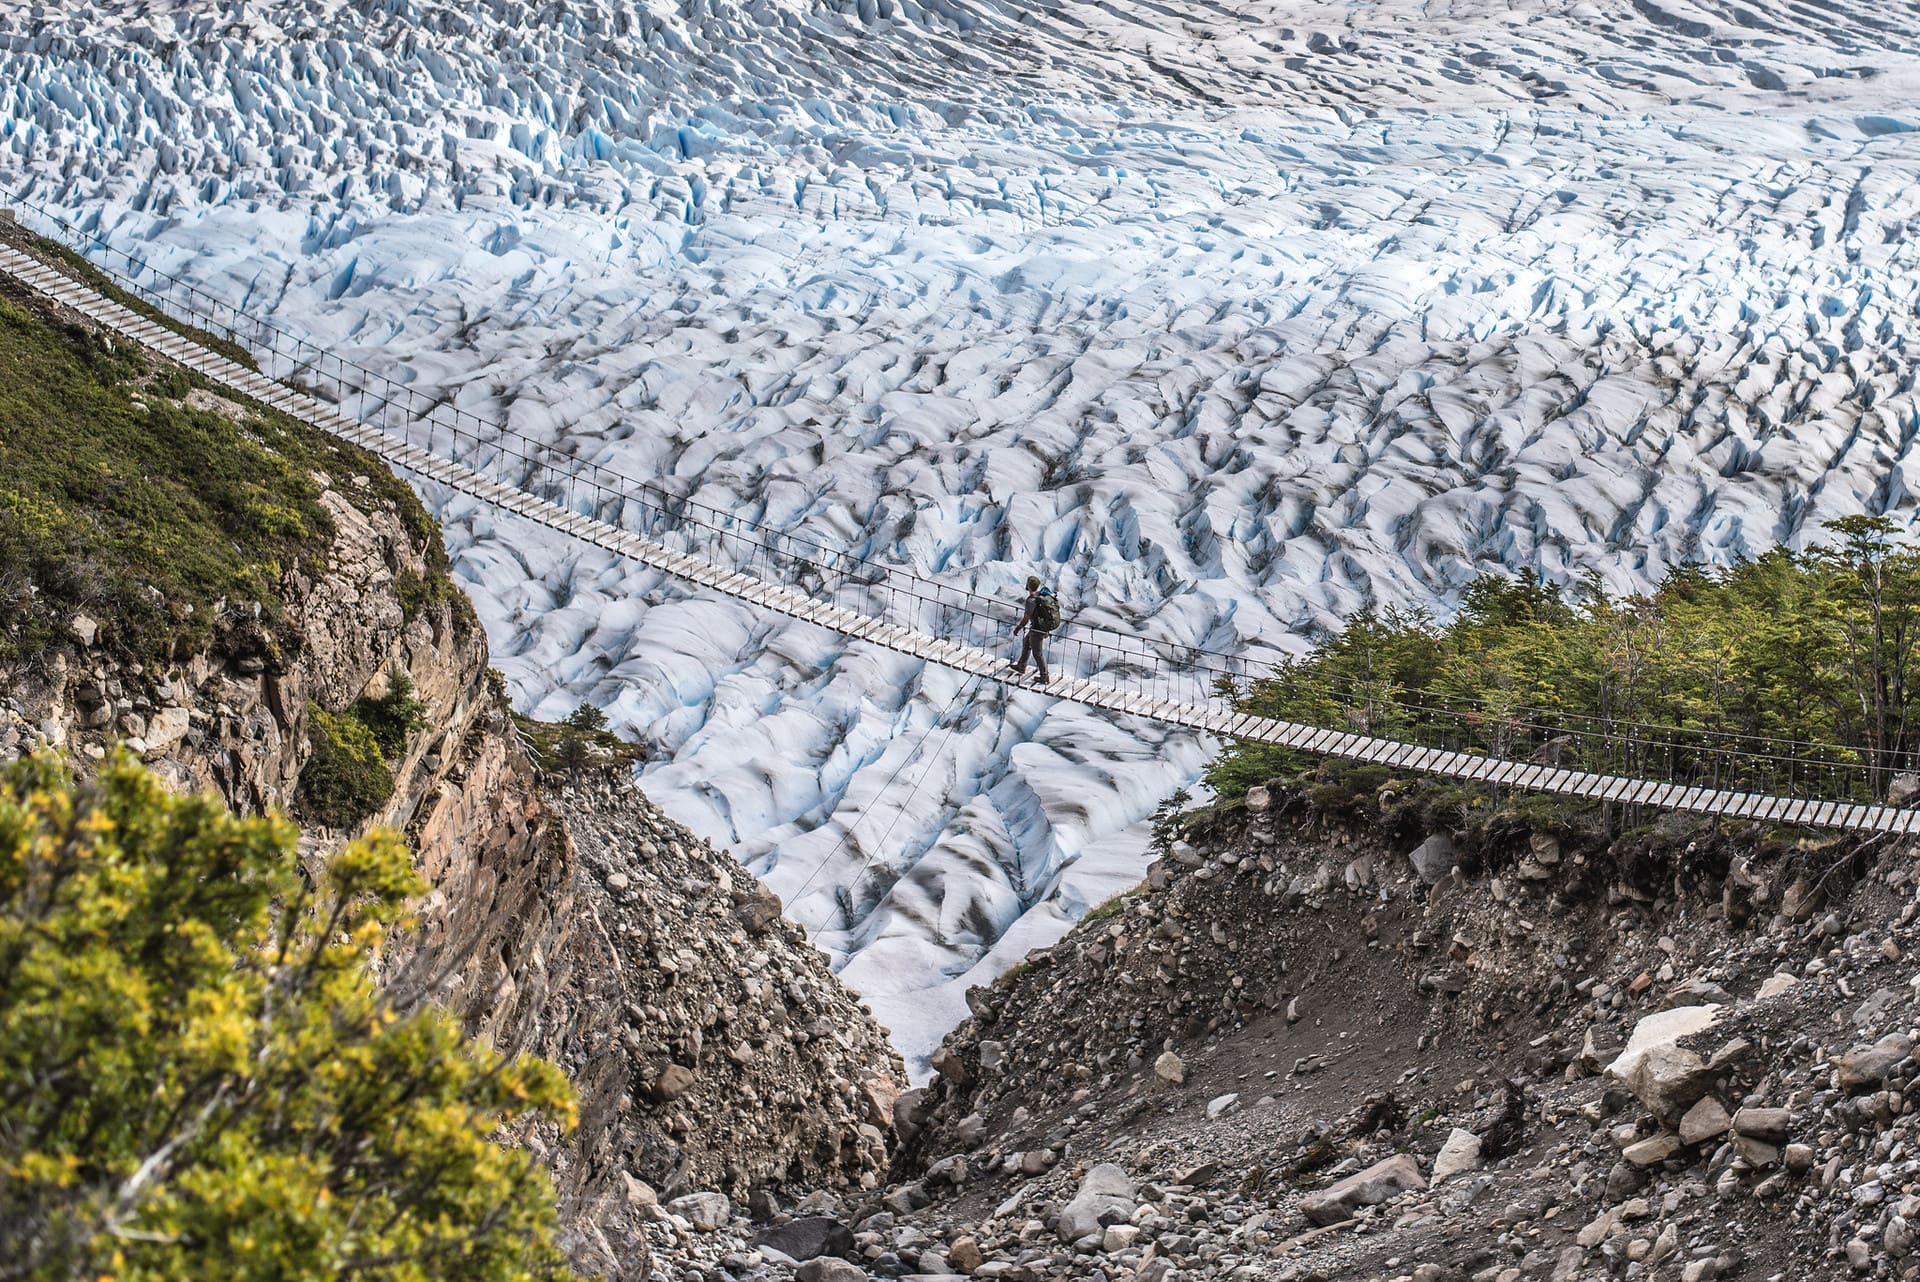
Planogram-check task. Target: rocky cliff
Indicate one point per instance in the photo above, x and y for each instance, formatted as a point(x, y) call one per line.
point(713, 1050)
point(1434, 1045)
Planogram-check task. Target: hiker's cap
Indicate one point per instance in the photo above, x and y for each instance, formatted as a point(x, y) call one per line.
point(1033, 581)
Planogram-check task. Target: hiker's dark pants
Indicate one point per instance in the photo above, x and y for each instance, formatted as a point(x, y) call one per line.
point(1031, 650)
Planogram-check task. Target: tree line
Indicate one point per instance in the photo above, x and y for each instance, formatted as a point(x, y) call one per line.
point(1793, 671)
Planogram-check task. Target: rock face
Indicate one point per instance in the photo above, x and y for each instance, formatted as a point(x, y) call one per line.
point(1381, 1182)
point(710, 1045)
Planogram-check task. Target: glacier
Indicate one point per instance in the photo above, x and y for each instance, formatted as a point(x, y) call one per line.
point(1231, 319)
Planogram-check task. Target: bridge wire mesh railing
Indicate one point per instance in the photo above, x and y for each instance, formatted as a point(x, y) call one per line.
point(1162, 668)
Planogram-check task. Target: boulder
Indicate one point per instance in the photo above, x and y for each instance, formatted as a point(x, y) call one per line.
point(1652, 1151)
point(167, 728)
point(828, 1269)
point(1706, 1120)
point(1865, 1067)
point(1433, 858)
point(758, 911)
point(1667, 1077)
point(947, 1062)
point(878, 1096)
point(910, 1112)
point(674, 1081)
point(1599, 1047)
point(1106, 1196)
point(1381, 1182)
point(1169, 1071)
point(808, 1238)
point(1878, 1005)
point(1769, 1125)
point(1460, 1154)
point(965, 1254)
point(705, 1211)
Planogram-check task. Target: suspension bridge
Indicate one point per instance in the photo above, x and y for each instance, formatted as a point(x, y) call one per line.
point(1117, 665)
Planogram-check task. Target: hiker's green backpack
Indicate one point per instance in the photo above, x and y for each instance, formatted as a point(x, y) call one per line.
point(1046, 611)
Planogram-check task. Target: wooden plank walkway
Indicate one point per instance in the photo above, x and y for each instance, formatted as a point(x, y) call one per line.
point(1520, 775)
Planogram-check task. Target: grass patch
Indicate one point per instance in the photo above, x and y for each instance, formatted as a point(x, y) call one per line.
point(1111, 908)
point(171, 526)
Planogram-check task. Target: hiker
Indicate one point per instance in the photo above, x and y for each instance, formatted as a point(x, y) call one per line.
point(1041, 617)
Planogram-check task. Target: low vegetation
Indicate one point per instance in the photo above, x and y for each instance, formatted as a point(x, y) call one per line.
point(582, 740)
point(1793, 671)
point(349, 772)
point(201, 1079)
point(165, 523)
point(80, 269)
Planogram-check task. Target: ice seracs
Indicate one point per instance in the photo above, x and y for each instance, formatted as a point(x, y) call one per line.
point(1230, 322)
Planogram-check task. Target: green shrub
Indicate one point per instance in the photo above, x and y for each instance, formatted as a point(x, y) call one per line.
point(347, 776)
point(393, 717)
point(1169, 820)
point(201, 1079)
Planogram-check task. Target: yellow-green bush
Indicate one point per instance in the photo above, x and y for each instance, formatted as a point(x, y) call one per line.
point(198, 1077)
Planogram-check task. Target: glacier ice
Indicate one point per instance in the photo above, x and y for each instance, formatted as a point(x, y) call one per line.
point(1233, 318)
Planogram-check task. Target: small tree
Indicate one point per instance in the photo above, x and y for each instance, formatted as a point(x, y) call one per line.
point(1874, 599)
point(587, 719)
point(581, 725)
point(393, 718)
point(199, 1078)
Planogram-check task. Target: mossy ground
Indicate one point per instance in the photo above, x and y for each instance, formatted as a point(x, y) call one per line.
point(120, 500)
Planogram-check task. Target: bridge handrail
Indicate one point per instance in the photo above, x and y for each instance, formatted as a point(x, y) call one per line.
point(1199, 670)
